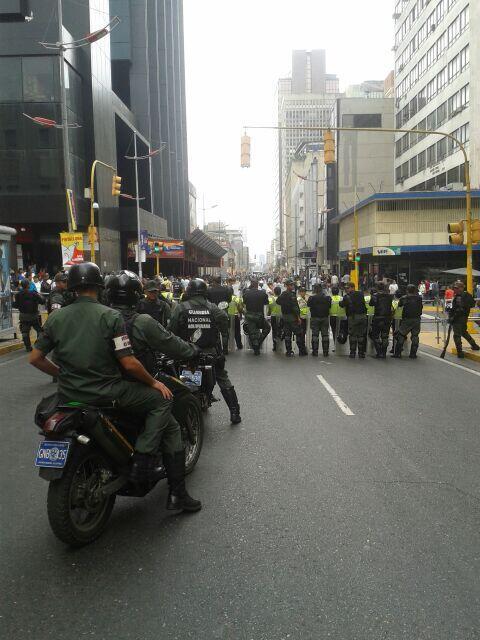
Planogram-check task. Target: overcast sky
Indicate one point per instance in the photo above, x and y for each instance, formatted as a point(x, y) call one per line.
point(235, 52)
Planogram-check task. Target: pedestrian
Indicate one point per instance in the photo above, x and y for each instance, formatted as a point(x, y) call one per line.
point(411, 322)
point(381, 301)
point(392, 287)
point(292, 325)
point(319, 305)
point(448, 298)
point(463, 303)
point(354, 304)
point(255, 300)
point(304, 310)
point(235, 310)
point(59, 297)
point(27, 302)
point(338, 322)
point(422, 289)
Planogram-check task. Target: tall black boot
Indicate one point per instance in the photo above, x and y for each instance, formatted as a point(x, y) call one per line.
point(399, 342)
point(472, 343)
point(362, 347)
point(353, 348)
point(178, 498)
point(458, 344)
point(325, 346)
point(230, 396)
point(315, 343)
point(302, 349)
point(413, 350)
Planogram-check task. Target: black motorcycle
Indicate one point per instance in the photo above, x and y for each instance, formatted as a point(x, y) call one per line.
point(85, 456)
point(200, 380)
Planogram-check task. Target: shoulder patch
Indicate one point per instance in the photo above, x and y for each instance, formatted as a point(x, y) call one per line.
point(122, 342)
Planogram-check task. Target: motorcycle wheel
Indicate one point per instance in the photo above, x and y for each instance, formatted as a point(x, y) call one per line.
point(192, 451)
point(77, 517)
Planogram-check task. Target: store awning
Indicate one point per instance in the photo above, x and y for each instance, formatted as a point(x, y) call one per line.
point(201, 241)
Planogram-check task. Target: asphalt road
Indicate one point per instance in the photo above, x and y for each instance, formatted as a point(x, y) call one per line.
point(316, 524)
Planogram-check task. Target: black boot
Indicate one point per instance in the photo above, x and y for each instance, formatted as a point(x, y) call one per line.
point(458, 344)
point(473, 344)
point(230, 396)
point(288, 347)
point(314, 348)
point(302, 349)
point(178, 498)
point(325, 347)
point(145, 469)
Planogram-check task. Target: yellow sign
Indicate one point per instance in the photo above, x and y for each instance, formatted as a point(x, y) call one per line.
point(72, 248)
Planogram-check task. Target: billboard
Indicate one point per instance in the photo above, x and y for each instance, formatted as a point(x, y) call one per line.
point(173, 249)
point(72, 248)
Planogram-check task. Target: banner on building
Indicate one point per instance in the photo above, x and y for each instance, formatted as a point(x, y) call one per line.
point(387, 251)
point(72, 210)
point(72, 248)
point(173, 249)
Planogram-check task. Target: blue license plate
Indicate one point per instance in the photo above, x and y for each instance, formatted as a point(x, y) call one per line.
point(195, 377)
point(52, 454)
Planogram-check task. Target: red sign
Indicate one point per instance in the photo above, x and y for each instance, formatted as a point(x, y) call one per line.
point(166, 248)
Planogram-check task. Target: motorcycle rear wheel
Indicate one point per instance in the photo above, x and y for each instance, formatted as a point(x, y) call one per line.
point(78, 517)
point(193, 450)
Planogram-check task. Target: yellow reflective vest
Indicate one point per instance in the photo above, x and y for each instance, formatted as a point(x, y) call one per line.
point(274, 309)
point(397, 311)
point(304, 310)
point(370, 310)
point(235, 306)
point(168, 295)
point(336, 309)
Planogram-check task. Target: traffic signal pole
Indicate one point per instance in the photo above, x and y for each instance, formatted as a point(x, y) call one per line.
point(461, 146)
point(92, 232)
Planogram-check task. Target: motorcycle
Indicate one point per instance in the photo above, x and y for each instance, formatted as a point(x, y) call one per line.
point(200, 380)
point(85, 457)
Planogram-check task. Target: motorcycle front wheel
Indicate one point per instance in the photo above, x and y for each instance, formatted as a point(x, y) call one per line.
point(76, 512)
point(192, 432)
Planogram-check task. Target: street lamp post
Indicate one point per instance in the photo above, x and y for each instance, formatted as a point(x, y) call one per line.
point(205, 209)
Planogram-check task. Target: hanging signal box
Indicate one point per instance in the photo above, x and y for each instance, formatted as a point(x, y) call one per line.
point(245, 155)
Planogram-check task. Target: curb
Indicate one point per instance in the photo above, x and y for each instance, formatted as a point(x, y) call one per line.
point(7, 348)
point(469, 355)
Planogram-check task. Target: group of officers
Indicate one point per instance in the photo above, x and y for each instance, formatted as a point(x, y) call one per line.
point(355, 314)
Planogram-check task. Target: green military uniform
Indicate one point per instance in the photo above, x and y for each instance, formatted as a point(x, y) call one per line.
point(255, 300)
point(411, 323)
point(462, 304)
point(57, 300)
point(354, 305)
point(320, 305)
point(179, 326)
point(291, 322)
point(88, 339)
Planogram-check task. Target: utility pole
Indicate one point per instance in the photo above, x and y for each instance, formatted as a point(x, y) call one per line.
point(63, 93)
point(139, 249)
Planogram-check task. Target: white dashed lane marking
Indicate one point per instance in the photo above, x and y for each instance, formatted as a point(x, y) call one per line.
point(340, 403)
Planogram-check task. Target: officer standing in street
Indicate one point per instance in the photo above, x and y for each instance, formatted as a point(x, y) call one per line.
point(221, 296)
point(304, 310)
point(319, 305)
point(92, 348)
point(235, 310)
point(354, 304)
point(27, 302)
point(382, 302)
point(275, 313)
point(292, 325)
point(411, 322)
point(157, 308)
point(338, 322)
point(59, 296)
point(201, 322)
point(255, 300)
point(463, 303)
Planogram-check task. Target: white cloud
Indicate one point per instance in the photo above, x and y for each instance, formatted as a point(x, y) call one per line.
point(235, 52)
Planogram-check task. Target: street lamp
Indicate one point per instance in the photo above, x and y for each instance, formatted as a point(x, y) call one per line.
point(205, 209)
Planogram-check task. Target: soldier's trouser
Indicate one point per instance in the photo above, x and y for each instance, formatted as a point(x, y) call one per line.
point(258, 328)
point(277, 324)
point(221, 375)
point(27, 322)
point(380, 333)
point(293, 327)
point(412, 326)
point(320, 325)
point(162, 431)
point(357, 333)
point(238, 334)
point(460, 331)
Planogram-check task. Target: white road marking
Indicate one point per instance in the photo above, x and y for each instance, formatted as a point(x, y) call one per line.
point(341, 404)
point(451, 364)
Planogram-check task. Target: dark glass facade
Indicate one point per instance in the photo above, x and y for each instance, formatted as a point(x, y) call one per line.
point(131, 80)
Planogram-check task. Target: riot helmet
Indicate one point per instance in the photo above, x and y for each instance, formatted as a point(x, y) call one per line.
point(124, 288)
point(83, 276)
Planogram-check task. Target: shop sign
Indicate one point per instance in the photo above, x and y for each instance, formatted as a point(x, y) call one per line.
point(386, 251)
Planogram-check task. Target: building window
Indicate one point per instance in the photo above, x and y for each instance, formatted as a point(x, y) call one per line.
point(10, 79)
point(39, 79)
point(422, 161)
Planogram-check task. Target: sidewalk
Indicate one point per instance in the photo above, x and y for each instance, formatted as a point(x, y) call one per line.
point(430, 340)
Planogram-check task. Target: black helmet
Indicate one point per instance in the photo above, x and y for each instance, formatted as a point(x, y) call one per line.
point(84, 274)
point(124, 288)
point(197, 287)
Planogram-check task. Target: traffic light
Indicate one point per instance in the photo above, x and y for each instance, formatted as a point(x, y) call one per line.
point(455, 232)
point(350, 256)
point(116, 185)
point(156, 247)
point(358, 256)
point(245, 156)
point(476, 231)
point(328, 147)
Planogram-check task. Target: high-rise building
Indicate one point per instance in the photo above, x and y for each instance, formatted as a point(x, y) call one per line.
point(306, 99)
point(437, 59)
point(131, 80)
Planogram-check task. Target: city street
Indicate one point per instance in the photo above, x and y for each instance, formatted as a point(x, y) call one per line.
point(316, 523)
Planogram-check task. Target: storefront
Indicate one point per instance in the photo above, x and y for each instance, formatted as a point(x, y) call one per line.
point(7, 235)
